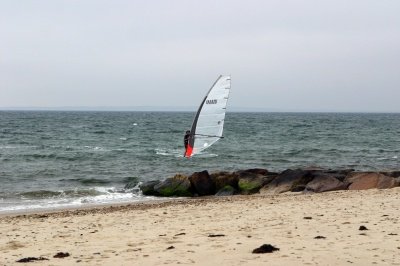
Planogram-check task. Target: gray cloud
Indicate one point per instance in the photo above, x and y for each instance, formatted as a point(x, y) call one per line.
point(282, 55)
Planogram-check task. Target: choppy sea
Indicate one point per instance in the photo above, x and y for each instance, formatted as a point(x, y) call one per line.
point(51, 159)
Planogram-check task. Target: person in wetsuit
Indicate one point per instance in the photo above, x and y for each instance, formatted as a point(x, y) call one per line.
point(186, 138)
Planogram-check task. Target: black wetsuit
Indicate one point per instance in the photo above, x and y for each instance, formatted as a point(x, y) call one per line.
point(186, 139)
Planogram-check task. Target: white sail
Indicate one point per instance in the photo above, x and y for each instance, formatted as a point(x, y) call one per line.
point(208, 123)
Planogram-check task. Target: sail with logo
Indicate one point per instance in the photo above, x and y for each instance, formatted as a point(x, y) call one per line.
point(208, 122)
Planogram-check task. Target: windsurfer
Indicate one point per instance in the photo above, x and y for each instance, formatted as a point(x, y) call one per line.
point(208, 122)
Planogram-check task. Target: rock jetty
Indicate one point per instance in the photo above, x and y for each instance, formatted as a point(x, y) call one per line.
point(262, 181)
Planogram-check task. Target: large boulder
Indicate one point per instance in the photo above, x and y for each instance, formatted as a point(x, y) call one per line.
point(222, 179)
point(250, 185)
point(288, 180)
point(325, 182)
point(147, 187)
point(202, 183)
point(251, 182)
point(179, 186)
point(368, 180)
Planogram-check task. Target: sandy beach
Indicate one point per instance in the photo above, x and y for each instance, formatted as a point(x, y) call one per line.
point(308, 229)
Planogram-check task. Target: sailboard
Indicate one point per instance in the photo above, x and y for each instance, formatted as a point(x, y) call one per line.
point(208, 123)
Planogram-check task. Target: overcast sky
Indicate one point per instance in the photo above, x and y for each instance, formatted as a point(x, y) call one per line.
point(313, 55)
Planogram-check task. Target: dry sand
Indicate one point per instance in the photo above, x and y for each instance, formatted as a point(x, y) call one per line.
point(178, 232)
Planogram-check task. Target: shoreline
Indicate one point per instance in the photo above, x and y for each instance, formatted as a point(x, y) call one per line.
point(160, 202)
point(89, 206)
point(308, 228)
point(240, 182)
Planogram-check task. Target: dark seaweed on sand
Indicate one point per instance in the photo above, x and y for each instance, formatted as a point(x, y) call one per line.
point(215, 235)
point(31, 259)
point(266, 248)
point(60, 255)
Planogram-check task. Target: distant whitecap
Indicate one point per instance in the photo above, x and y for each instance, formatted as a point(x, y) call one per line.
point(162, 152)
point(8, 147)
point(96, 148)
point(169, 152)
point(207, 155)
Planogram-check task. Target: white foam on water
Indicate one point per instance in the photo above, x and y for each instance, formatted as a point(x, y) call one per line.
point(95, 148)
point(78, 126)
point(386, 158)
point(165, 152)
point(23, 147)
point(8, 147)
point(122, 138)
point(178, 153)
point(120, 149)
point(206, 155)
point(107, 195)
point(382, 158)
point(161, 152)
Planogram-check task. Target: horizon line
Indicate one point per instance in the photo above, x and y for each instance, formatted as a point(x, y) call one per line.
point(179, 109)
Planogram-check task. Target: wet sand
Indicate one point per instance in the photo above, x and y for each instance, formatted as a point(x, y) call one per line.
point(308, 229)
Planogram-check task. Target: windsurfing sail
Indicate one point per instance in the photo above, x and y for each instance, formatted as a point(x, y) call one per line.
point(208, 122)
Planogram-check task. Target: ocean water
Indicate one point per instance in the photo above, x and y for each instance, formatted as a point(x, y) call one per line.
point(52, 159)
